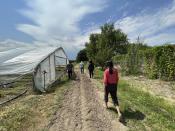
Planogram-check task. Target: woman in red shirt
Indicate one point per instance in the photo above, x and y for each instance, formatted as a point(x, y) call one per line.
point(110, 81)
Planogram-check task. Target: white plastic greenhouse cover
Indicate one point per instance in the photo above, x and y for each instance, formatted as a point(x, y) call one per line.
point(22, 60)
point(45, 72)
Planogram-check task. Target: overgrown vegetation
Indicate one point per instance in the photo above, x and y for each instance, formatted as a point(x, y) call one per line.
point(160, 62)
point(103, 46)
point(82, 56)
point(156, 62)
point(132, 63)
point(33, 112)
point(17, 87)
point(142, 111)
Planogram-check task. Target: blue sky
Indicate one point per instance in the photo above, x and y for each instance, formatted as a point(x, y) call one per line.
point(10, 17)
point(69, 22)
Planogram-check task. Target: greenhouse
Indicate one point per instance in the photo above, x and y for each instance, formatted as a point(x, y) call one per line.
point(44, 65)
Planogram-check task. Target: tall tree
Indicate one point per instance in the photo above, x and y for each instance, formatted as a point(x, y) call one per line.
point(114, 38)
point(103, 46)
point(82, 56)
point(91, 47)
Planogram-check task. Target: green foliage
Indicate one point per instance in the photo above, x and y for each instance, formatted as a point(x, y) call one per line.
point(114, 39)
point(150, 69)
point(103, 56)
point(82, 56)
point(132, 62)
point(145, 108)
point(156, 62)
point(160, 62)
point(141, 110)
point(32, 112)
point(121, 60)
point(91, 47)
point(104, 46)
point(134, 59)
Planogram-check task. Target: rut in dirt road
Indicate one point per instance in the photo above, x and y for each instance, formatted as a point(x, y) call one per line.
point(82, 110)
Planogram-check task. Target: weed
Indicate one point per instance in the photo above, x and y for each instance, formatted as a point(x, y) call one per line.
point(143, 111)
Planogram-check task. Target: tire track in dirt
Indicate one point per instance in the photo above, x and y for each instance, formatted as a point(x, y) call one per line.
point(68, 117)
point(94, 118)
point(82, 109)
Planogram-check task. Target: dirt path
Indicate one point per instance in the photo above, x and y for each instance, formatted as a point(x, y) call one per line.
point(83, 110)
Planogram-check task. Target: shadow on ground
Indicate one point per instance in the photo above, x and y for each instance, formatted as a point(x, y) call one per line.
point(129, 114)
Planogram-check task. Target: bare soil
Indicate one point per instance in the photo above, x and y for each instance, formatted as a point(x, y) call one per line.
point(83, 110)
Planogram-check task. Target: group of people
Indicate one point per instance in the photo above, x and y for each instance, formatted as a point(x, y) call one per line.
point(90, 68)
point(110, 80)
point(69, 69)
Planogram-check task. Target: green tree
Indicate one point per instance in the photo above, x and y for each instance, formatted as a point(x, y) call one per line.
point(102, 56)
point(134, 59)
point(159, 62)
point(114, 38)
point(91, 47)
point(82, 56)
point(104, 46)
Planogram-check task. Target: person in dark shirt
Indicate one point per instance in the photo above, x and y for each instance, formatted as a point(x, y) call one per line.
point(91, 69)
point(69, 69)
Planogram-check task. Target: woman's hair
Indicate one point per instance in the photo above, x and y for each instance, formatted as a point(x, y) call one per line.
point(110, 64)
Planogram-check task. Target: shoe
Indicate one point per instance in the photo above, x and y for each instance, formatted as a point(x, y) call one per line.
point(120, 119)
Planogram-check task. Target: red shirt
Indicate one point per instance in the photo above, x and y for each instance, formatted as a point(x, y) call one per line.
point(110, 78)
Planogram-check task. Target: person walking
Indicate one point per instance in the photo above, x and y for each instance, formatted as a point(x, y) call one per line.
point(82, 67)
point(69, 68)
point(111, 81)
point(91, 69)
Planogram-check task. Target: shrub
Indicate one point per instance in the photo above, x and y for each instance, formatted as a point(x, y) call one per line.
point(160, 62)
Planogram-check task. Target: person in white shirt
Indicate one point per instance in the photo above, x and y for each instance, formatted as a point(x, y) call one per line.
point(82, 67)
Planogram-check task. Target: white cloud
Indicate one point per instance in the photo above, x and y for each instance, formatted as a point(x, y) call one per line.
point(57, 19)
point(149, 26)
point(12, 44)
point(161, 39)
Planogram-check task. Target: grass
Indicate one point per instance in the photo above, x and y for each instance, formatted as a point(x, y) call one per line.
point(141, 110)
point(18, 87)
point(33, 112)
point(173, 85)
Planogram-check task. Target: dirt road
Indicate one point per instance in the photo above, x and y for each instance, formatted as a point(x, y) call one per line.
point(83, 110)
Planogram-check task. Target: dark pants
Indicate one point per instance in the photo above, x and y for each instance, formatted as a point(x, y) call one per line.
point(112, 89)
point(82, 70)
point(69, 74)
point(91, 73)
